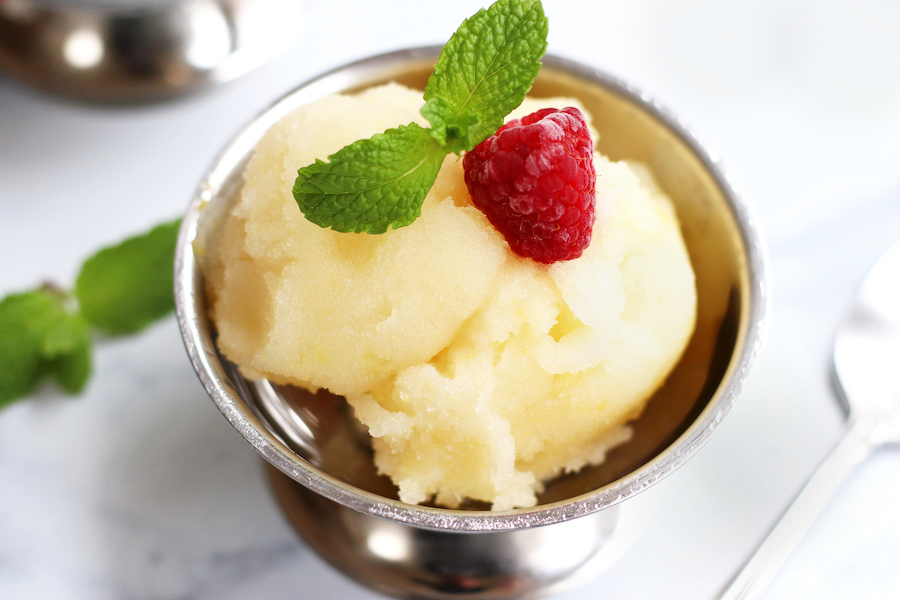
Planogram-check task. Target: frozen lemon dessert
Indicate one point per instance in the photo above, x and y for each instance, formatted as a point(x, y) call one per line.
point(478, 373)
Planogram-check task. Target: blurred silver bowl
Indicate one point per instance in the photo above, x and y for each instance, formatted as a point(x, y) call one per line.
point(154, 49)
point(322, 470)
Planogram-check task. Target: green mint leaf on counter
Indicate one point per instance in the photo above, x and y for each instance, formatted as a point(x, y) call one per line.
point(41, 336)
point(371, 184)
point(67, 348)
point(124, 288)
point(46, 334)
point(484, 72)
point(71, 369)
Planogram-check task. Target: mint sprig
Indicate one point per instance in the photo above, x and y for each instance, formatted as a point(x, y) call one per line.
point(46, 333)
point(483, 73)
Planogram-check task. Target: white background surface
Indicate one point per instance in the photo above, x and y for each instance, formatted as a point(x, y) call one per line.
point(139, 489)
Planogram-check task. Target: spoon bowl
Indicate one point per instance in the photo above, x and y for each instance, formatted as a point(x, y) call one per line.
point(867, 346)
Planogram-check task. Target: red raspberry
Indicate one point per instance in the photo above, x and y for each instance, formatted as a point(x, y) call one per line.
point(534, 180)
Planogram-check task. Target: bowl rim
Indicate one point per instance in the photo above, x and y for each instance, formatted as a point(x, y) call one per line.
point(205, 358)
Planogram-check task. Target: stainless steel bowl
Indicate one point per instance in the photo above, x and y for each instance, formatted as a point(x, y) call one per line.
point(322, 469)
point(127, 51)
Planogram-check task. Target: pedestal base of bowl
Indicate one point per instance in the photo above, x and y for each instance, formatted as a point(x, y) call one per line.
point(414, 563)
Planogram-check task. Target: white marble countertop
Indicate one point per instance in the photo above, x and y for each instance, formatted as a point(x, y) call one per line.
point(139, 489)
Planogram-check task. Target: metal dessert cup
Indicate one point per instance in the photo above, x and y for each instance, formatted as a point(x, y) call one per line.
point(320, 462)
point(125, 51)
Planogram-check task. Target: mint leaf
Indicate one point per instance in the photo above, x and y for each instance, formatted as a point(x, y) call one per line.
point(371, 184)
point(484, 72)
point(124, 288)
point(40, 336)
point(20, 343)
point(66, 348)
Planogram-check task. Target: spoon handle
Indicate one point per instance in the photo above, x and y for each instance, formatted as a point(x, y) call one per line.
point(758, 572)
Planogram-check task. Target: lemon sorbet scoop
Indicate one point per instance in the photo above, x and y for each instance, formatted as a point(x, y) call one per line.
point(479, 374)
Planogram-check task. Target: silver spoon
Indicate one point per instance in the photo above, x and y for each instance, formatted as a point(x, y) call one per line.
point(866, 361)
point(116, 50)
